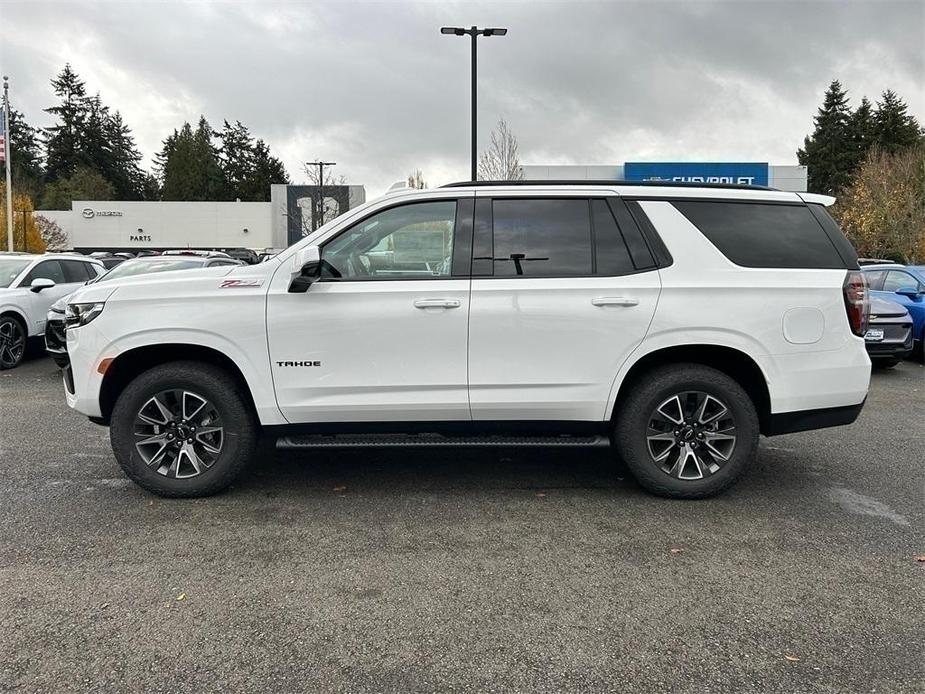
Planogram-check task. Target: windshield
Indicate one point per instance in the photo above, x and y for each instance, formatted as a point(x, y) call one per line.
point(130, 268)
point(10, 269)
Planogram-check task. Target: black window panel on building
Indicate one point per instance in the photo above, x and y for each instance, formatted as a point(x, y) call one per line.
point(613, 257)
point(542, 238)
point(762, 234)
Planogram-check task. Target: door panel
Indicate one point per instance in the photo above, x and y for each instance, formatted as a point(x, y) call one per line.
point(566, 302)
point(383, 336)
point(550, 348)
point(385, 351)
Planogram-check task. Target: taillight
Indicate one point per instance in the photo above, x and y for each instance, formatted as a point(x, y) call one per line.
point(857, 305)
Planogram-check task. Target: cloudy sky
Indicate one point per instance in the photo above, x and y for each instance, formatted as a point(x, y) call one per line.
point(376, 88)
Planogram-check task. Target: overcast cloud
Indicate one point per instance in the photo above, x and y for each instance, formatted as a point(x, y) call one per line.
point(376, 88)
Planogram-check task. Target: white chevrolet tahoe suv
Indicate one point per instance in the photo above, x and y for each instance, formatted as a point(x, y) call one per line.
point(676, 323)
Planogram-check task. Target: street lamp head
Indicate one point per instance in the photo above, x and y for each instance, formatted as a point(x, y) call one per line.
point(494, 32)
point(458, 31)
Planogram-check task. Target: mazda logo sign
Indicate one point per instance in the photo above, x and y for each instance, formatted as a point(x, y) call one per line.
point(90, 213)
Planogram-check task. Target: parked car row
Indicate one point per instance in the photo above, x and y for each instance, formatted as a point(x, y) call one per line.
point(904, 285)
point(34, 289)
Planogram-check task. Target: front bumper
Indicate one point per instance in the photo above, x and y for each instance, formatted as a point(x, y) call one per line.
point(82, 379)
point(56, 340)
point(896, 342)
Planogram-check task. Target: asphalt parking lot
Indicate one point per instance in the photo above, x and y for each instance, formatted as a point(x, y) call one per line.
point(436, 570)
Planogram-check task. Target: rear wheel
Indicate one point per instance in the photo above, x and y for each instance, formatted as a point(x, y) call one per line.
point(12, 342)
point(183, 429)
point(884, 363)
point(687, 431)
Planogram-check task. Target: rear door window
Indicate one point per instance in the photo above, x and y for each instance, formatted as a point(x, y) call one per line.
point(754, 234)
point(613, 256)
point(542, 237)
point(76, 271)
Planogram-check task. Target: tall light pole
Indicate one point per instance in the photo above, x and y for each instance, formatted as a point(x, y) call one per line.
point(320, 208)
point(474, 32)
point(6, 161)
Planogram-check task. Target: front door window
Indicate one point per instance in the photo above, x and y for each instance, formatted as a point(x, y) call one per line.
point(405, 242)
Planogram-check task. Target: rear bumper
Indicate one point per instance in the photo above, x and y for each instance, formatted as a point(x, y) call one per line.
point(806, 420)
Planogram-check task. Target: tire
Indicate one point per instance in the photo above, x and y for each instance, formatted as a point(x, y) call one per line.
point(136, 419)
point(13, 342)
point(656, 392)
point(884, 363)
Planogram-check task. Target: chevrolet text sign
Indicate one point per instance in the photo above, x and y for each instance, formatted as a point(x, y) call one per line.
point(740, 173)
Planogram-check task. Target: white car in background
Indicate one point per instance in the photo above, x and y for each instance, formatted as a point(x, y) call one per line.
point(29, 285)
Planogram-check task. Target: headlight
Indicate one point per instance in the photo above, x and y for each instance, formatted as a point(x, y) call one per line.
point(60, 306)
point(81, 314)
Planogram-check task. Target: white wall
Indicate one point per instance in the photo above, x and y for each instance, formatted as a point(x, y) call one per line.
point(787, 178)
point(138, 225)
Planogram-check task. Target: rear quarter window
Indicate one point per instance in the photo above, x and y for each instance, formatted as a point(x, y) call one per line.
point(754, 234)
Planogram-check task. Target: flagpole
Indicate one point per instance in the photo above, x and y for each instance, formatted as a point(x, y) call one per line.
point(6, 159)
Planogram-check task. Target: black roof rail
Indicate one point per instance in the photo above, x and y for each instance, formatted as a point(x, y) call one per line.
point(574, 182)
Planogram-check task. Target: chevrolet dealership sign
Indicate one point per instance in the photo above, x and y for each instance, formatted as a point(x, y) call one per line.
point(739, 173)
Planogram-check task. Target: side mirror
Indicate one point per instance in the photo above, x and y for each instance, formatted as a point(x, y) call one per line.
point(41, 283)
point(307, 265)
point(910, 292)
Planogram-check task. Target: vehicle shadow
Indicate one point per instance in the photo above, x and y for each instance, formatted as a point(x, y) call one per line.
point(437, 469)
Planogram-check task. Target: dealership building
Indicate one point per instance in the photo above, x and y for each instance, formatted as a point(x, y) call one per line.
point(783, 177)
point(93, 225)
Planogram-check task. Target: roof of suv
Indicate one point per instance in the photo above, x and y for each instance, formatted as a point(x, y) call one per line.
point(574, 182)
point(653, 189)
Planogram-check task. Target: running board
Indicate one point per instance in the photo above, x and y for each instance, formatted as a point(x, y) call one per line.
point(438, 440)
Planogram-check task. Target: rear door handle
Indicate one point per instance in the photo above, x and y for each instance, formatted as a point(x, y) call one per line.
point(614, 301)
point(437, 303)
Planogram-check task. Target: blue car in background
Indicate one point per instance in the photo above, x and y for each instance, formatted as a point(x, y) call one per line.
point(904, 284)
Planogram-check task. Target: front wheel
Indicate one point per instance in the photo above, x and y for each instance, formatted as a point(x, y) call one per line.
point(687, 431)
point(183, 429)
point(12, 342)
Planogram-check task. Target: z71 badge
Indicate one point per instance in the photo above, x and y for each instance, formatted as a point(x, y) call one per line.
point(233, 284)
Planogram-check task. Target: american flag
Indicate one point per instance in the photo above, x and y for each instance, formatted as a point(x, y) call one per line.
point(2, 136)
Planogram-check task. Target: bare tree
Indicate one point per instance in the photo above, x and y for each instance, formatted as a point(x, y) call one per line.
point(416, 180)
point(499, 162)
point(53, 235)
point(328, 207)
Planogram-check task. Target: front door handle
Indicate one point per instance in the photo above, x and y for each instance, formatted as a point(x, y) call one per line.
point(437, 303)
point(614, 301)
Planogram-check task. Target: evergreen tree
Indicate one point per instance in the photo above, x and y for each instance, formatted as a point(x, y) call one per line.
point(895, 128)
point(150, 187)
point(829, 151)
point(189, 165)
point(126, 175)
point(95, 150)
point(208, 165)
point(266, 171)
point(237, 158)
point(83, 184)
point(863, 131)
point(25, 156)
point(63, 145)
